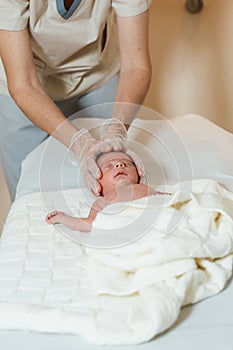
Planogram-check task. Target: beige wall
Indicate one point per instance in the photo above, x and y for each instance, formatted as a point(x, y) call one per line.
point(192, 59)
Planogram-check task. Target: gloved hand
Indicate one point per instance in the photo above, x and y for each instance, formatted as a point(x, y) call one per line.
point(84, 150)
point(114, 135)
point(139, 165)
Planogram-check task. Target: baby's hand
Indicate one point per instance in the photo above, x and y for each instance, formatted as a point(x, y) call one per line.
point(55, 217)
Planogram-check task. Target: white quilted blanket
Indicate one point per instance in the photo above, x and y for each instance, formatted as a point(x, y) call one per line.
point(125, 295)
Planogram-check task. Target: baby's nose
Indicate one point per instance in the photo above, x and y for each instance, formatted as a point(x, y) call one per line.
point(119, 165)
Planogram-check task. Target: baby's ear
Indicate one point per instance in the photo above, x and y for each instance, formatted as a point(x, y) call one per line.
point(142, 179)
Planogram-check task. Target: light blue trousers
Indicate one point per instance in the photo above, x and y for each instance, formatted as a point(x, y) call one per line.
point(19, 136)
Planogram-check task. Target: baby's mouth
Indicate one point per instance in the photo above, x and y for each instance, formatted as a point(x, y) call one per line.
point(119, 173)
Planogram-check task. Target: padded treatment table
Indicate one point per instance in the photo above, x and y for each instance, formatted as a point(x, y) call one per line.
point(183, 148)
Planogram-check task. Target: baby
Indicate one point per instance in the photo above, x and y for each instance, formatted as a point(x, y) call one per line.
point(120, 183)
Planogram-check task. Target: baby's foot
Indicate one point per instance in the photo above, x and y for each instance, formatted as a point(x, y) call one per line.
point(55, 217)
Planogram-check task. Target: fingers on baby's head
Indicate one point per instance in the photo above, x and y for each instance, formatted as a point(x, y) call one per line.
point(139, 166)
point(108, 156)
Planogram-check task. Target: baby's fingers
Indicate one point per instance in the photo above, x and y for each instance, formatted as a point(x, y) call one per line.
point(50, 216)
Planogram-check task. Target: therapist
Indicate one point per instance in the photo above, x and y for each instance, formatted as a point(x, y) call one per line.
point(60, 56)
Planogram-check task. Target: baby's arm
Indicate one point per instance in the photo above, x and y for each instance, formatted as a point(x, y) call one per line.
point(78, 224)
point(82, 224)
point(122, 194)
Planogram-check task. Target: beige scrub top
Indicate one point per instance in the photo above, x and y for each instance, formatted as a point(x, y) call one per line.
point(74, 51)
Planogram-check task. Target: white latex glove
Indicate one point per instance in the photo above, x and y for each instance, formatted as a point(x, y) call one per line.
point(84, 150)
point(139, 165)
point(114, 134)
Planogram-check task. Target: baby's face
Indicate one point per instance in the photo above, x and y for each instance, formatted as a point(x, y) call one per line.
point(117, 169)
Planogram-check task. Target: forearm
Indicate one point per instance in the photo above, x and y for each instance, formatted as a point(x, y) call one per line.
point(25, 88)
point(77, 224)
point(135, 74)
point(132, 89)
point(133, 85)
point(42, 111)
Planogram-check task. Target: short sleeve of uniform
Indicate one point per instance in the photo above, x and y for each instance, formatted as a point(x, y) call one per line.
point(14, 14)
point(127, 8)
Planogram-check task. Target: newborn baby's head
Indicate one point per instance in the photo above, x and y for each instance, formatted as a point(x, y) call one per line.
point(117, 169)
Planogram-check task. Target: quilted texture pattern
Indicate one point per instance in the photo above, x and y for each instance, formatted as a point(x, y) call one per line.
point(48, 283)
